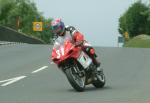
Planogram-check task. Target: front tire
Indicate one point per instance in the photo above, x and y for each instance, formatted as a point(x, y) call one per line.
point(100, 79)
point(77, 82)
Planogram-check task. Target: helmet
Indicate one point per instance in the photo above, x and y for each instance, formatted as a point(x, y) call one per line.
point(58, 27)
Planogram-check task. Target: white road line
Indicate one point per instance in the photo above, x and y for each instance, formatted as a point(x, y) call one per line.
point(40, 69)
point(52, 62)
point(12, 80)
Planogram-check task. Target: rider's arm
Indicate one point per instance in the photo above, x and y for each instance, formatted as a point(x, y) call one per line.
point(77, 36)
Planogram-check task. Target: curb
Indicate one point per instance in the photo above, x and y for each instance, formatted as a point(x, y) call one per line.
point(8, 43)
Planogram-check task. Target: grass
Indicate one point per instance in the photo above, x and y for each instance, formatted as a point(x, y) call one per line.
point(141, 41)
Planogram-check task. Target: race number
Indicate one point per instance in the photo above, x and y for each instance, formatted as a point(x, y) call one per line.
point(60, 52)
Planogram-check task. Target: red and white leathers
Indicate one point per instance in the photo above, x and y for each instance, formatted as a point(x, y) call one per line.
point(78, 38)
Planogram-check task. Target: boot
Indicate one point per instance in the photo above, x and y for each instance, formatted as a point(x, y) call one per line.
point(96, 62)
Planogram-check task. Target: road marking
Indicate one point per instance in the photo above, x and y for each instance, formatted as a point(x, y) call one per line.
point(12, 80)
point(52, 62)
point(40, 69)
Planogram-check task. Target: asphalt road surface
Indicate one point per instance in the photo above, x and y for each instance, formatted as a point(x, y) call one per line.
point(27, 76)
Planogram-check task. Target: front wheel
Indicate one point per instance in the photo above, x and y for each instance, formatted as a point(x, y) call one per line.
point(100, 79)
point(76, 81)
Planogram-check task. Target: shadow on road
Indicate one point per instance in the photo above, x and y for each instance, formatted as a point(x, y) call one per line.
point(91, 88)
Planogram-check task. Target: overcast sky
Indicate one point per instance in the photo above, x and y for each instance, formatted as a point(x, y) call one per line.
point(96, 19)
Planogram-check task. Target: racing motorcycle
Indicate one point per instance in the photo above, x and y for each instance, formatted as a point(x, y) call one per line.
point(76, 65)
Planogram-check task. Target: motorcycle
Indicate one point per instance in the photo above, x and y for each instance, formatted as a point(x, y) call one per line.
point(76, 65)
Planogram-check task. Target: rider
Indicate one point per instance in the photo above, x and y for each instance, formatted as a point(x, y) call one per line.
point(61, 30)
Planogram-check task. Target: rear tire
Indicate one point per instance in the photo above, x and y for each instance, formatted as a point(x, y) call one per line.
point(75, 80)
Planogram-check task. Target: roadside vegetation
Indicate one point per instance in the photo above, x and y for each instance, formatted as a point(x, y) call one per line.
point(134, 22)
point(141, 41)
point(20, 15)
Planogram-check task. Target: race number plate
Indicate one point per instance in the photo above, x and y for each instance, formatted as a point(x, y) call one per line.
point(84, 59)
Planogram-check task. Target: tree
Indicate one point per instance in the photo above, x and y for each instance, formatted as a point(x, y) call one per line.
point(20, 14)
point(147, 28)
point(46, 34)
point(133, 20)
point(5, 7)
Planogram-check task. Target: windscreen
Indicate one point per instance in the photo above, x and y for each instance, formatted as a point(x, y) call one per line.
point(59, 42)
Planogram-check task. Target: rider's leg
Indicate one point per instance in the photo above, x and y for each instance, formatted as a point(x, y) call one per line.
point(91, 52)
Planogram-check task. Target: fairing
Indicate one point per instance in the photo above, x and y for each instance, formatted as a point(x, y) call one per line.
point(63, 49)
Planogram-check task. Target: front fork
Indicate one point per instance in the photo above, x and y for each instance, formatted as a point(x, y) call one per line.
point(79, 71)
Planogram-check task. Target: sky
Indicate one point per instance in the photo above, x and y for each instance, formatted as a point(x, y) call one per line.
point(96, 19)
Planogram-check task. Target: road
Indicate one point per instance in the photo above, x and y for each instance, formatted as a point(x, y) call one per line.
point(27, 76)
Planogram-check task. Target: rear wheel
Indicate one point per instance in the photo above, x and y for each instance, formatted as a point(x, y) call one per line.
point(77, 81)
point(100, 79)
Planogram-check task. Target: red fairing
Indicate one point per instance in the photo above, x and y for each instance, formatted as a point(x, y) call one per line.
point(54, 54)
point(78, 36)
point(65, 52)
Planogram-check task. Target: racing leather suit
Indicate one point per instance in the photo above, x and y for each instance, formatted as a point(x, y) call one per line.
point(78, 37)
